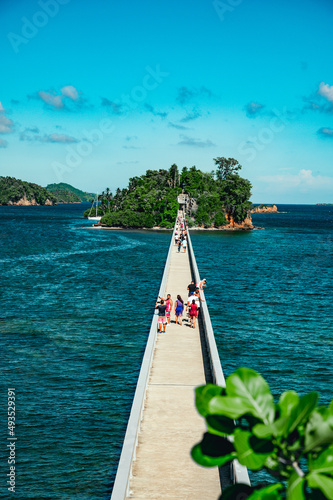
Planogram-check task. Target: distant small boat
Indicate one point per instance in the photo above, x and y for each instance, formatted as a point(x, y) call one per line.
point(94, 217)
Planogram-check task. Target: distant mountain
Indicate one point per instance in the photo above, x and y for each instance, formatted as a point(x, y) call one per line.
point(65, 193)
point(17, 192)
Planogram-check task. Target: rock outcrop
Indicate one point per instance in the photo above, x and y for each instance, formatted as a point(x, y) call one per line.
point(264, 209)
point(245, 225)
point(24, 202)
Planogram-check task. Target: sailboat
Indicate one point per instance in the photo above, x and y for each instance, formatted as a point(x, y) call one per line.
point(94, 217)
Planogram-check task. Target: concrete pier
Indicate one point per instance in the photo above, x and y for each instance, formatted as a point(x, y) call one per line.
point(155, 461)
point(163, 468)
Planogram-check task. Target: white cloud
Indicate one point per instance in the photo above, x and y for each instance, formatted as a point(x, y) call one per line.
point(198, 143)
point(59, 100)
point(303, 182)
point(326, 91)
point(3, 143)
point(55, 101)
point(325, 132)
point(253, 109)
point(33, 134)
point(71, 92)
point(58, 138)
point(6, 125)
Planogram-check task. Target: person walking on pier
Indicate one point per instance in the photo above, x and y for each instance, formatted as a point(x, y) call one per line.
point(191, 288)
point(179, 307)
point(169, 304)
point(193, 313)
point(179, 244)
point(161, 315)
point(184, 244)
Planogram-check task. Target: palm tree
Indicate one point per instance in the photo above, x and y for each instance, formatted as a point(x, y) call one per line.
point(107, 196)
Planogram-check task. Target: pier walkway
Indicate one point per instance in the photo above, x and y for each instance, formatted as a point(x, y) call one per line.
point(155, 462)
point(171, 425)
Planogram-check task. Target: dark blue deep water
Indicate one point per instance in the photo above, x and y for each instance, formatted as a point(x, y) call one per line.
point(76, 306)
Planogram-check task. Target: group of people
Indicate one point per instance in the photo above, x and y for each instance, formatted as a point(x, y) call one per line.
point(192, 306)
point(180, 233)
point(165, 306)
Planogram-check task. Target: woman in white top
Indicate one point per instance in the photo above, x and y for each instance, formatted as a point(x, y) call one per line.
point(201, 284)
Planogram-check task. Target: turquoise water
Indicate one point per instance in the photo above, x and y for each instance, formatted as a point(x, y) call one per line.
point(269, 295)
point(76, 311)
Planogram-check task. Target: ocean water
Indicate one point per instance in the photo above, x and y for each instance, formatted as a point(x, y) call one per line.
point(269, 294)
point(76, 306)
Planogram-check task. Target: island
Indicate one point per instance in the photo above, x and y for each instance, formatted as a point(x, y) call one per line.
point(213, 200)
point(17, 192)
point(65, 193)
point(264, 209)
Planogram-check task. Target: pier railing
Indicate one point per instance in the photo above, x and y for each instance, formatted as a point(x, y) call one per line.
point(238, 472)
point(124, 472)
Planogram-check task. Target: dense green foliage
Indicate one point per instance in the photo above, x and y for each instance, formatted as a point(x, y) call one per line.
point(65, 193)
point(292, 440)
point(12, 190)
point(151, 199)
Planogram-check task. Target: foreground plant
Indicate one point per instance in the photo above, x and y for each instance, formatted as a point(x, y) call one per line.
point(292, 440)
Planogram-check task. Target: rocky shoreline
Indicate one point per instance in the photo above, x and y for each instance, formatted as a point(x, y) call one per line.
point(23, 202)
point(265, 209)
point(156, 228)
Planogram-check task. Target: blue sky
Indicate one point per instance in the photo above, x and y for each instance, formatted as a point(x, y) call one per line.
point(95, 92)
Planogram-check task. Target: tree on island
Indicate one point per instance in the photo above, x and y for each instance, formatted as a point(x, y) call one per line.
point(226, 166)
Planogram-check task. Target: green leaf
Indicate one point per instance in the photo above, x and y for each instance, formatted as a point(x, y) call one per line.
point(322, 482)
point(251, 451)
point(275, 429)
point(220, 425)
point(213, 451)
point(253, 389)
point(237, 491)
point(323, 464)
point(288, 401)
point(295, 488)
point(271, 492)
point(318, 431)
point(302, 411)
point(229, 407)
point(203, 395)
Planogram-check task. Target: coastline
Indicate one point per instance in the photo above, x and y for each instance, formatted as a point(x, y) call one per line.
point(233, 229)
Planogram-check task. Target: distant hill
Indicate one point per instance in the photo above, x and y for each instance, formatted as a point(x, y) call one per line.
point(65, 193)
point(17, 192)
